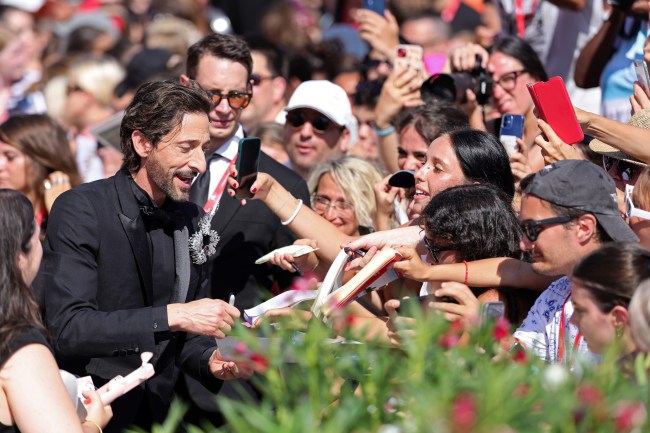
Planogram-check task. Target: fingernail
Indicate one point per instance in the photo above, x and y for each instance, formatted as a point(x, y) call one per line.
point(253, 190)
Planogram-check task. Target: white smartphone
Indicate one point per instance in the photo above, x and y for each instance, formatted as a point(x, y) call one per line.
point(641, 68)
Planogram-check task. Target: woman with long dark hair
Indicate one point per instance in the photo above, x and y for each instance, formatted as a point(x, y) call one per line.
point(33, 398)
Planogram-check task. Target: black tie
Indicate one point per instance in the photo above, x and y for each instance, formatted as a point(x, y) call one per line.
point(201, 187)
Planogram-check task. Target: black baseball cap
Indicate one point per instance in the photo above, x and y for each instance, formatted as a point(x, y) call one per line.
point(580, 184)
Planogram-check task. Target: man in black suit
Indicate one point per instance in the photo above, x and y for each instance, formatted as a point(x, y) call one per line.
point(221, 65)
point(119, 275)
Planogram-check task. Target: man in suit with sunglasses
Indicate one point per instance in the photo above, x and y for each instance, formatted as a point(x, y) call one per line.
point(316, 125)
point(222, 66)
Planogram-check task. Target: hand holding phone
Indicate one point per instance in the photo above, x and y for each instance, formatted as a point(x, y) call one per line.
point(248, 157)
point(512, 128)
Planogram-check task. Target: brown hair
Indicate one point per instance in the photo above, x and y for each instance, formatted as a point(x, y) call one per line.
point(45, 143)
point(222, 46)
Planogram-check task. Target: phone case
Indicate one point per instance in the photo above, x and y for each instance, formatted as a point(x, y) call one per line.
point(642, 76)
point(377, 6)
point(555, 108)
point(409, 56)
point(512, 127)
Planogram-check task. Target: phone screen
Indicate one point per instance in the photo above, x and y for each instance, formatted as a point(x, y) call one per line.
point(248, 158)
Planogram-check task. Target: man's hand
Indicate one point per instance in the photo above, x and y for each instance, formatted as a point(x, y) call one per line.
point(212, 317)
point(227, 370)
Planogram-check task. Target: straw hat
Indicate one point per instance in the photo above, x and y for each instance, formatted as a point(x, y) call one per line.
point(640, 119)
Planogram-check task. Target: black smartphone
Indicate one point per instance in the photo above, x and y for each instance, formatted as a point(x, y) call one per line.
point(375, 5)
point(248, 157)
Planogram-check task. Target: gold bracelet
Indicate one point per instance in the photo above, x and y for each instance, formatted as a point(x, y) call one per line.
point(95, 424)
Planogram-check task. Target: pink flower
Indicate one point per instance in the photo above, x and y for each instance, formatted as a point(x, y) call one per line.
point(463, 413)
point(501, 329)
point(241, 347)
point(590, 394)
point(629, 415)
point(260, 363)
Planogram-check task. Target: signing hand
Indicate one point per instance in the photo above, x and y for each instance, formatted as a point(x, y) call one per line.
point(212, 317)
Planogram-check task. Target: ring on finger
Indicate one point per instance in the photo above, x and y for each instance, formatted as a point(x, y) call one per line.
point(47, 184)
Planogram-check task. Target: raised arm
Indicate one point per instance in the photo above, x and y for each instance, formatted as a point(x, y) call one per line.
point(630, 139)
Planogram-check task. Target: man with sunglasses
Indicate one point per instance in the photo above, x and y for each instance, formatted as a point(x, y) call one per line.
point(568, 209)
point(222, 66)
point(269, 79)
point(316, 130)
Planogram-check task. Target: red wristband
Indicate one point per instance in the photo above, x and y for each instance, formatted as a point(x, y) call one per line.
point(466, 271)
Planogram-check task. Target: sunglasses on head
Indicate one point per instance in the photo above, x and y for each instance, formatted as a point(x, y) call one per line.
point(319, 122)
point(626, 169)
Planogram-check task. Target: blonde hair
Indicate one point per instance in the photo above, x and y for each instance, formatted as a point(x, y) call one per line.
point(641, 193)
point(356, 177)
point(98, 76)
point(639, 311)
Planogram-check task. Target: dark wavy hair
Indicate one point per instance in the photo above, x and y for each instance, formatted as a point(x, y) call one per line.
point(18, 308)
point(612, 273)
point(483, 159)
point(157, 108)
point(477, 220)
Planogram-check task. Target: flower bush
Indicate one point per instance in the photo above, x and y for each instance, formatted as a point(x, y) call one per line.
point(312, 382)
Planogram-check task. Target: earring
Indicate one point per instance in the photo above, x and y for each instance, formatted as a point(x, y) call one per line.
point(619, 331)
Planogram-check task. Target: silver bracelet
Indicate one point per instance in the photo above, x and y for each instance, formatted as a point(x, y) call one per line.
point(294, 215)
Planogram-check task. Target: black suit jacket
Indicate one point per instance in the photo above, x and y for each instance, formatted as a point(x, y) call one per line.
point(247, 233)
point(100, 303)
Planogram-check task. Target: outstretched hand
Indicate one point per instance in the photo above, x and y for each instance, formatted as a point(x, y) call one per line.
point(227, 370)
point(553, 148)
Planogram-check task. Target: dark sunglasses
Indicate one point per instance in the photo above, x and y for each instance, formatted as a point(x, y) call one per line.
point(532, 228)
point(257, 79)
point(320, 122)
point(626, 169)
point(433, 250)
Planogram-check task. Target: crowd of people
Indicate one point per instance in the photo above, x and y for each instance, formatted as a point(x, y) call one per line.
point(120, 232)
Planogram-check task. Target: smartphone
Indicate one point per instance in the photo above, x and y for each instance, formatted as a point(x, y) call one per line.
point(377, 6)
point(512, 128)
point(409, 56)
point(555, 108)
point(491, 311)
point(641, 68)
point(248, 157)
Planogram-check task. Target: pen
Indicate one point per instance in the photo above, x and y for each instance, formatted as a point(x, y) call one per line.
point(296, 268)
point(359, 252)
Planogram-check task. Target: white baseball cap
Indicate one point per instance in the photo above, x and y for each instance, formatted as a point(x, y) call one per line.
point(30, 6)
point(325, 97)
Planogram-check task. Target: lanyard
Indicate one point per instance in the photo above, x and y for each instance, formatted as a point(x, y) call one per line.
point(214, 198)
point(576, 343)
point(520, 16)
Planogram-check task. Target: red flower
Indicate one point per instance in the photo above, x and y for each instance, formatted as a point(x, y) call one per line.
point(520, 356)
point(260, 363)
point(463, 413)
point(590, 394)
point(521, 391)
point(448, 341)
point(501, 329)
point(629, 415)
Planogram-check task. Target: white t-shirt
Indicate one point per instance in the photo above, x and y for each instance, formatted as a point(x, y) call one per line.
point(540, 331)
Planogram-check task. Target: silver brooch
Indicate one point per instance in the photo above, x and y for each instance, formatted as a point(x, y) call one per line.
point(203, 243)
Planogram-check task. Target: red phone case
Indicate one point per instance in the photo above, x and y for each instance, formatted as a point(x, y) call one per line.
point(555, 108)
